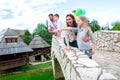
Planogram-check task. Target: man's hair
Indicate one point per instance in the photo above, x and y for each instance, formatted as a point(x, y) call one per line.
point(57, 15)
point(50, 14)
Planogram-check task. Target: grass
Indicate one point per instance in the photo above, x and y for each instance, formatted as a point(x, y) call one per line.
point(48, 75)
point(31, 75)
point(30, 67)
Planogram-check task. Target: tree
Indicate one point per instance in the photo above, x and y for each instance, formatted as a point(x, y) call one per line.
point(42, 31)
point(94, 25)
point(116, 25)
point(27, 37)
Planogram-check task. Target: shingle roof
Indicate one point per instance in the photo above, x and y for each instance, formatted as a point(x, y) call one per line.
point(18, 31)
point(12, 48)
point(38, 42)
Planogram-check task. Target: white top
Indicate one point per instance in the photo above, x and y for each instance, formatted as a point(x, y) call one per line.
point(61, 25)
point(52, 25)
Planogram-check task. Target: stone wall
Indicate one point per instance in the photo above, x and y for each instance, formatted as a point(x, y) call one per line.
point(75, 65)
point(108, 40)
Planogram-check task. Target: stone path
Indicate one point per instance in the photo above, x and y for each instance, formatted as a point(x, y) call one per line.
point(109, 61)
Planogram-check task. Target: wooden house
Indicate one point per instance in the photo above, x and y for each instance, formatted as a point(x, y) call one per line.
point(41, 49)
point(13, 51)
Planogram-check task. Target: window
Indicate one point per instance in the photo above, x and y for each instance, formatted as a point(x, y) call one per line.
point(11, 40)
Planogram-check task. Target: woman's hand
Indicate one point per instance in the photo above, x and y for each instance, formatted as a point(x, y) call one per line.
point(68, 48)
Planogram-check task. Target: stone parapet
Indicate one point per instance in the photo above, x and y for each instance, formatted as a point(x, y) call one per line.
point(75, 65)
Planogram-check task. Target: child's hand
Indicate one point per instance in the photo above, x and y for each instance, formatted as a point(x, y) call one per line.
point(85, 39)
point(93, 51)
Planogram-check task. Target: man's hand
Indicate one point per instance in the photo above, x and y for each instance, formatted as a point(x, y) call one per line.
point(55, 31)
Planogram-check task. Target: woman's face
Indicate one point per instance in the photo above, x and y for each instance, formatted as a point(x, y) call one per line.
point(69, 21)
point(79, 21)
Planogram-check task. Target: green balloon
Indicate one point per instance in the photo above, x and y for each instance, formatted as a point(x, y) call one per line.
point(79, 12)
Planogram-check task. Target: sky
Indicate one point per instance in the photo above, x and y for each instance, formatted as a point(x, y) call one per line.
point(26, 14)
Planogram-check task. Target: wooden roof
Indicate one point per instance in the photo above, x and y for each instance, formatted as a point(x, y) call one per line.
point(12, 48)
point(38, 42)
point(18, 32)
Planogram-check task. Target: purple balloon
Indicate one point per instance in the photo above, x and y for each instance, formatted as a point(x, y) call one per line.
point(74, 11)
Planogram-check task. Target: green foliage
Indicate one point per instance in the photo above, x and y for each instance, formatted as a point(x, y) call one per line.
point(27, 37)
point(94, 25)
point(42, 31)
point(116, 25)
point(105, 27)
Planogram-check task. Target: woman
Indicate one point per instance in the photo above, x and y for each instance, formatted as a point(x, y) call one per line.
point(70, 37)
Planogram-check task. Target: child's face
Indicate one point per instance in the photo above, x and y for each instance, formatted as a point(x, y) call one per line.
point(79, 21)
point(55, 18)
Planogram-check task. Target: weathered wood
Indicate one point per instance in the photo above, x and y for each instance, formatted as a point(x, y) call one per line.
point(13, 63)
point(38, 42)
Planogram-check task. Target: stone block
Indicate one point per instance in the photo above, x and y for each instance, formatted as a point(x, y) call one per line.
point(73, 74)
point(87, 62)
point(107, 76)
point(89, 73)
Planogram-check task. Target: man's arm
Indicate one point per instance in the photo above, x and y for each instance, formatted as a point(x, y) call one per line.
point(51, 31)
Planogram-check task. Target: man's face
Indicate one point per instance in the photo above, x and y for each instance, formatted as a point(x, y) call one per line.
point(51, 18)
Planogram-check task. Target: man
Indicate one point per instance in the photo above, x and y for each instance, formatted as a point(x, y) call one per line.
point(52, 25)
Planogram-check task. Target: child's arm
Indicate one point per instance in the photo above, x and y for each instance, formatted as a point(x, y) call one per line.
point(92, 40)
point(93, 47)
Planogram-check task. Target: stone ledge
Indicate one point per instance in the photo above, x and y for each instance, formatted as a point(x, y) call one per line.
point(76, 62)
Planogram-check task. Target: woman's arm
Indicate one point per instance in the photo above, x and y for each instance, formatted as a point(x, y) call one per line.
point(68, 47)
point(67, 28)
point(70, 28)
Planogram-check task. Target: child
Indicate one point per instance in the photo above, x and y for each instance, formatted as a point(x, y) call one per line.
point(59, 26)
point(83, 32)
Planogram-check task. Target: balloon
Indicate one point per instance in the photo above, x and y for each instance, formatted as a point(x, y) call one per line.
point(74, 11)
point(83, 12)
point(79, 12)
point(74, 15)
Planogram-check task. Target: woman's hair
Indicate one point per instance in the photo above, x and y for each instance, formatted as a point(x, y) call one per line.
point(74, 21)
point(84, 20)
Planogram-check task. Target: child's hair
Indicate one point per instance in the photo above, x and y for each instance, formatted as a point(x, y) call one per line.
point(84, 20)
point(57, 15)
